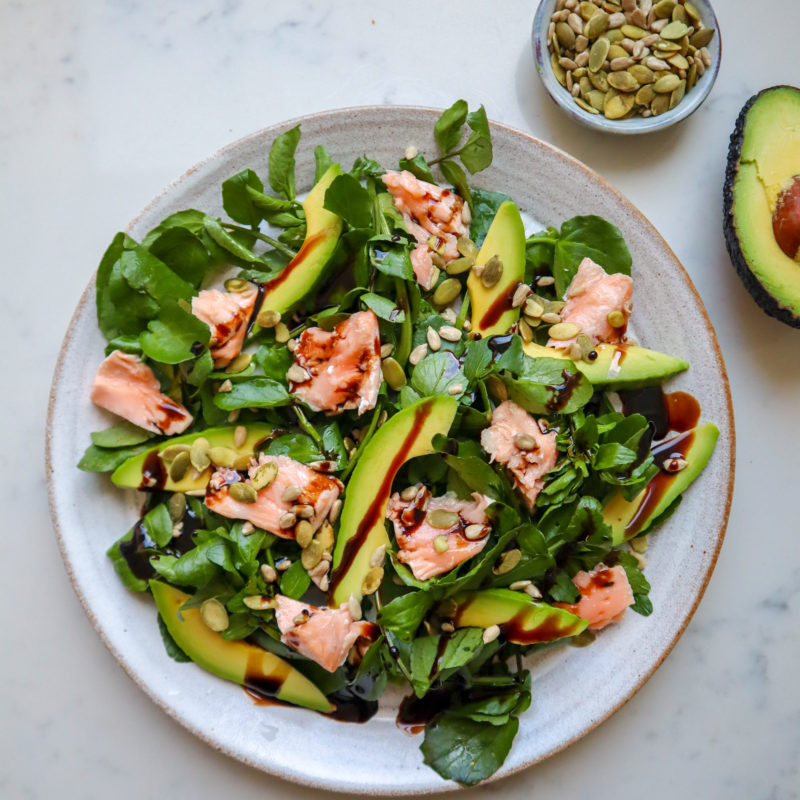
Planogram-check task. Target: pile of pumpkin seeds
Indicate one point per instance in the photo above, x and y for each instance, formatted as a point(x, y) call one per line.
point(626, 58)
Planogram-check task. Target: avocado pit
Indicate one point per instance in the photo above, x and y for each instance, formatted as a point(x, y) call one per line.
point(786, 219)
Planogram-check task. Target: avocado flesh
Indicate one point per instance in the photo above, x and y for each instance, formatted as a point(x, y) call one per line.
point(131, 473)
point(236, 661)
point(629, 519)
point(763, 157)
point(521, 619)
point(406, 435)
point(637, 367)
point(323, 228)
point(491, 309)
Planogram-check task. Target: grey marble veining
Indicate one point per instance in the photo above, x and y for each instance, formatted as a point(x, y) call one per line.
point(104, 103)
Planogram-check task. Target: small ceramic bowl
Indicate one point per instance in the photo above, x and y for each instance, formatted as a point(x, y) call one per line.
point(690, 103)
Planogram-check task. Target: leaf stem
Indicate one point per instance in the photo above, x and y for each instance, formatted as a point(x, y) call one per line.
point(485, 395)
point(280, 246)
point(541, 240)
point(462, 313)
point(309, 428)
point(367, 436)
point(406, 332)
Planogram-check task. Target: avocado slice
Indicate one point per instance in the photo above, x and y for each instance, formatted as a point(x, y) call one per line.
point(323, 228)
point(135, 472)
point(762, 201)
point(637, 366)
point(237, 661)
point(628, 519)
point(492, 312)
point(406, 435)
point(521, 619)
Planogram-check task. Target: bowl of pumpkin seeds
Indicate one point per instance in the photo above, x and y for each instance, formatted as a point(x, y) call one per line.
point(627, 66)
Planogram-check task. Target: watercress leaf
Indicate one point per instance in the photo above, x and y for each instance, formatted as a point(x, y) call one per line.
point(174, 335)
point(383, 307)
point(322, 161)
point(295, 581)
point(255, 393)
point(333, 442)
point(447, 130)
point(237, 202)
point(200, 369)
point(484, 209)
point(477, 475)
point(225, 240)
point(408, 396)
point(144, 272)
point(457, 177)
point(613, 455)
point(184, 253)
point(592, 237)
point(549, 385)
point(418, 167)
point(190, 218)
point(121, 567)
point(350, 200)
point(295, 445)
point(101, 459)
point(436, 373)
point(639, 584)
point(563, 589)
point(170, 645)
point(274, 360)
point(404, 614)
point(476, 154)
point(390, 258)
point(157, 523)
point(281, 163)
point(461, 648)
point(123, 434)
point(240, 626)
point(193, 568)
point(364, 167)
point(423, 655)
point(466, 751)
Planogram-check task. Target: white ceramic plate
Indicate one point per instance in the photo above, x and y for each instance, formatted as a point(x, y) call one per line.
point(575, 689)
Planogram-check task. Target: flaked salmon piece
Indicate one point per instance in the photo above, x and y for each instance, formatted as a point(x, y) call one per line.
point(592, 295)
point(324, 635)
point(316, 490)
point(227, 315)
point(428, 211)
point(127, 387)
point(416, 536)
point(343, 365)
point(605, 594)
point(528, 466)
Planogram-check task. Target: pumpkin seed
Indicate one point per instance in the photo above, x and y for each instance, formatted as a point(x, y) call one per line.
point(325, 537)
point(616, 108)
point(701, 38)
point(492, 272)
point(214, 615)
point(597, 56)
point(177, 506)
point(242, 492)
point(551, 319)
point(562, 331)
point(586, 106)
point(660, 104)
point(446, 292)
point(645, 96)
point(663, 9)
point(441, 544)
point(633, 32)
point(580, 72)
point(282, 333)
point(237, 285)
point(508, 561)
point(467, 247)
point(599, 80)
point(198, 454)
point(666, 84)
point(459, 266)
point(565, 34)
point(443, 519)
point(586, 87)
point(223, 456)
point(372, 581)
point(675, 30)
point(679, 15)
point(616, 319)
point(596, 26)
point(597, 99)
point(677, 95)
point(525, 441)
point(642, 74)
point(664, 47)
point(587, 9)
point(623, 81)
point(311, 556)
point(615, 36)
point(691, 78)
point(525, 331)
point(239, 364)
point(265, 475)
point(268, 318)
point(393, 374)
point(179, 466)
point(533, 308)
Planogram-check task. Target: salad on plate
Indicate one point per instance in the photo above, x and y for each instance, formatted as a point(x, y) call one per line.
point(386, 437)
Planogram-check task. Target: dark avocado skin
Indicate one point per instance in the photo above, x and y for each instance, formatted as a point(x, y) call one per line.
point(768, 304)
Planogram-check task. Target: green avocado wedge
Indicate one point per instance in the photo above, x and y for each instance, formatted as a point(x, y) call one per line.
point(235, 661)
point(323, 228)
point(491, 308)
point(406, 435)
point(628, 519)
point(136, 471)
point(638, 366)
point(520, 618)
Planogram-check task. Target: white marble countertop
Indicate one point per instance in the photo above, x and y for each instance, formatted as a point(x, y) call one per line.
point(102, 104)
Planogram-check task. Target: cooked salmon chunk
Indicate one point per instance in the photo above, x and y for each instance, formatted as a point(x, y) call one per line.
point(430, 550)
point(324, 635)
point(433, 216)
point(343, 366)
point(515, 439)
point(227, 315)
point(127, 387)
point(317, 494)
point(591, 297)
point(605, 594)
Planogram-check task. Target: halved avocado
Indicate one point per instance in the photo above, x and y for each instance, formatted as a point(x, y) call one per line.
point(637, 366)
point(522, 619)
point(491, 308)
point(406, 435)
point(628, 519)
point(299, 276)
point(762, 201)
point(135, 472)
point(236, 661)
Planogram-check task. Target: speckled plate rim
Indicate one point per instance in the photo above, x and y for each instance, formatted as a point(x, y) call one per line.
point(434, 784)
